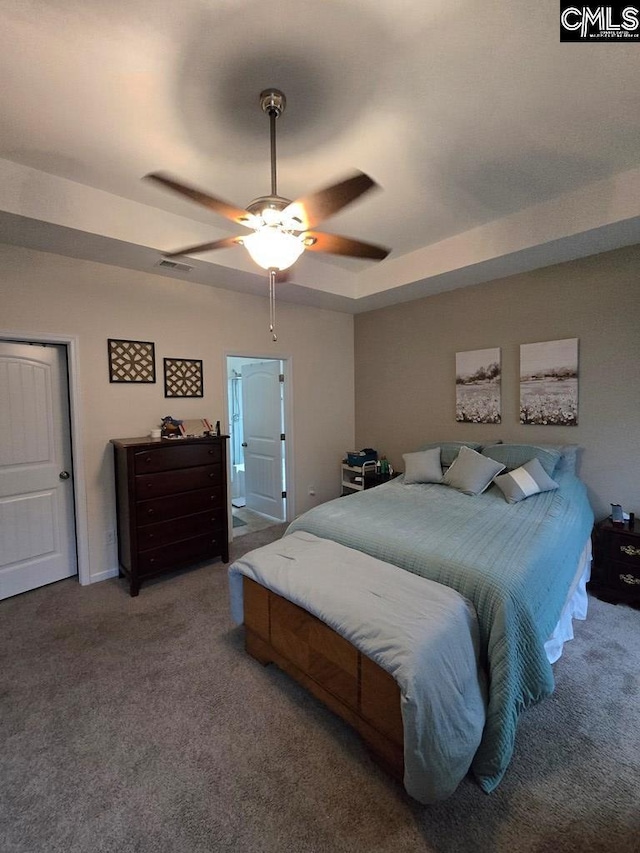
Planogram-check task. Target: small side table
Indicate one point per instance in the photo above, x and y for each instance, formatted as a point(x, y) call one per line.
point(615, 575)
point(373, 478)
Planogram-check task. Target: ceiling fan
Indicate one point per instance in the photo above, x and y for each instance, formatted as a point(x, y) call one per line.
point(281, 229)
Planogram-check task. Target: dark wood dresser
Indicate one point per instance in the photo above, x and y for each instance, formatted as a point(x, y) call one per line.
point(615, 575)
point(171, 497)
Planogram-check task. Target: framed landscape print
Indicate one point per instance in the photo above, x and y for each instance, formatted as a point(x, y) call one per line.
point(183, 377)
point(131, 361)
point(478, 386)
point(549, 383)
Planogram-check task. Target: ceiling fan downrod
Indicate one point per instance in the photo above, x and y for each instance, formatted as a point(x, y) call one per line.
point(273, 103)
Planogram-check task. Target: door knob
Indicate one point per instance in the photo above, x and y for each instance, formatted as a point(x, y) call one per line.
point(64, 475)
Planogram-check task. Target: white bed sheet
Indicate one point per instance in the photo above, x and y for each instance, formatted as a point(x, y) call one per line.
point(575, 607)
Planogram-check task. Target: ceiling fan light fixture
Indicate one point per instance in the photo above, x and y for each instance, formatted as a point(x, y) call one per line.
point(271, 216)
point(272, 248)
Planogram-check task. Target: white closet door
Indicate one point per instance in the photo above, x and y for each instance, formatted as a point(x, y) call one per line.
point(37, 535)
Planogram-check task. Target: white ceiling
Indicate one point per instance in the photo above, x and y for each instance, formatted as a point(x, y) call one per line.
point(497, 148)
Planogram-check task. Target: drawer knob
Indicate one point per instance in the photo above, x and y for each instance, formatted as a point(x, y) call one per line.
point(630, 550)
point(151, 511)
point(629, 579)
point(211, 475)
point(152, 560)
point(151, 535)
point(148, 459)
point(211, 453)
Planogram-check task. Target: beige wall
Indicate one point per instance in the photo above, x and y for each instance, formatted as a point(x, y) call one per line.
point(45, 293)
point(405, 366)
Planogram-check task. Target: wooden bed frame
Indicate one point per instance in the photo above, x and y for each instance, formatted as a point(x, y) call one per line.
point(334, 671)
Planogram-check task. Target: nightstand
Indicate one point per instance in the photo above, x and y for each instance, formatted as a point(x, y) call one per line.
point(353, 476)
point(373, 478)
point(615, 575)
point(360, 477)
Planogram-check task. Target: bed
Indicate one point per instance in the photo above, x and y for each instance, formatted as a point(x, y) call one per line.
point(522, 562)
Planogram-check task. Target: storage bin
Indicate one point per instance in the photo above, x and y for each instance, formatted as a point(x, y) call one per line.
point(357, 458)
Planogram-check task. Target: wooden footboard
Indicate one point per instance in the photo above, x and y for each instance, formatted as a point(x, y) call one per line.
point(346, 681)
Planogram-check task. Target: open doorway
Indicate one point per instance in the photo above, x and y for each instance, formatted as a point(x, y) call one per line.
point(257, 442)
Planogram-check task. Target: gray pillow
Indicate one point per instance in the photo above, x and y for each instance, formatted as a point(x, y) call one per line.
point(471, 472)
point(423, 466)
point(514, 455)
point(529, 479)
point(568, 456)
point(450, 449)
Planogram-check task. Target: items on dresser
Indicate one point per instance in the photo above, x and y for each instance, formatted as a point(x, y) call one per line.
point(171, 501)
point(615, 574)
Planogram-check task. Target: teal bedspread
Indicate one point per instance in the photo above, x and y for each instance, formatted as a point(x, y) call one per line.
point(514, 562)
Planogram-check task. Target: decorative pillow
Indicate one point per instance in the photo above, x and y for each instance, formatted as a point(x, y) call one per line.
point(529, 479)
point(514, 455)
point(450, 449)
point(471, 472)
point(568, 456)
point(423, 466)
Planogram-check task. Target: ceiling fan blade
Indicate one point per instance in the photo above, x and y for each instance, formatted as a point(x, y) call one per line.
point(225, 243)
point(335, 245)
point(320, 205)
point(229, 211)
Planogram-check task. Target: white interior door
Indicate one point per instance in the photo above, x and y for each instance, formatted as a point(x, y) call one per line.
point(263, 446)
point(37, 535)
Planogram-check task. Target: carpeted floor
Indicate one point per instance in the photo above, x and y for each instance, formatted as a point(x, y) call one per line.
point(139, 724)
point(250, 522)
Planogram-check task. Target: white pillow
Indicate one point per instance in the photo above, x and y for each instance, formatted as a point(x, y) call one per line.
point(529, 479)
point(423, 466)
point(471, 472)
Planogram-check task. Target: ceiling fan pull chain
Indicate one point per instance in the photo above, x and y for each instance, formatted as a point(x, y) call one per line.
point(272, 303)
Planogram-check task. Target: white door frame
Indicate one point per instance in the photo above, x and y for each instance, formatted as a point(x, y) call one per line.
point(287, 367)
point(79, 480)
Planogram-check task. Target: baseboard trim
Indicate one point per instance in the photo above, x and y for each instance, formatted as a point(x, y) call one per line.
point(103, 576)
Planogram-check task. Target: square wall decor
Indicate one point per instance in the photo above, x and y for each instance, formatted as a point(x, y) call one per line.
point(549, 383)
point(183, 377)
point(131, 361)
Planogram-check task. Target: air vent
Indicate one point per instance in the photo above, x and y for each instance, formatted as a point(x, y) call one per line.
point(174, 265)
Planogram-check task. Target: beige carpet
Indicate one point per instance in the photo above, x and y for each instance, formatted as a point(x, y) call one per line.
point(253, 522)
point(139, 725)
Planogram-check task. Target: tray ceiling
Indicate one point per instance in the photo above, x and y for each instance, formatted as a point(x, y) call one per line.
point(498, 148)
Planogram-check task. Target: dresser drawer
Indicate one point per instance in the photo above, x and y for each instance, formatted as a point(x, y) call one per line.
point(154, 535)
point(175, 482)
point(626, 549)
point(176, 456)
point(625, 576)
point(180, 553)
point(162, 509)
